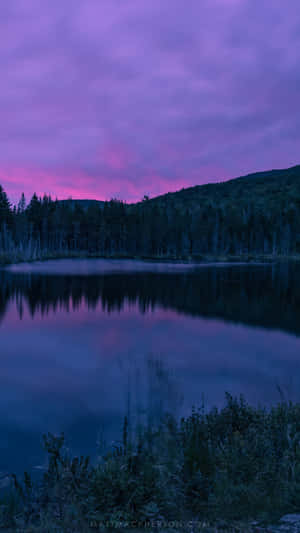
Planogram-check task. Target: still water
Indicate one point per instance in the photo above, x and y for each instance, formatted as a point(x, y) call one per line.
point(84, 342)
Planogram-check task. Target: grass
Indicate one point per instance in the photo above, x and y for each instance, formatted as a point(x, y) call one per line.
point(231, 466)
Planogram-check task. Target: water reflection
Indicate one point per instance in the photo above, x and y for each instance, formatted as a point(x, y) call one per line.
point(79, 351)
point(266, 296)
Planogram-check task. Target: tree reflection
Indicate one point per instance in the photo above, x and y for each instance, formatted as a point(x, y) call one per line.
point(266, 296)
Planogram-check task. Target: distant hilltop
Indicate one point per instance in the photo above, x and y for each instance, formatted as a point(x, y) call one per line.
point(270, 183)
point(266, 189)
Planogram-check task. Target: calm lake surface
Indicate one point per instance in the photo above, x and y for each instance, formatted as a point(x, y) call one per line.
point(84, 342)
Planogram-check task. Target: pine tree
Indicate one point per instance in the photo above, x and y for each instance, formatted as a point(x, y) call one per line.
point(5, 208)
point(22, 204)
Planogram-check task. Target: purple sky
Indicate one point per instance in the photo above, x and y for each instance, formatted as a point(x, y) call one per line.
point(103, 98)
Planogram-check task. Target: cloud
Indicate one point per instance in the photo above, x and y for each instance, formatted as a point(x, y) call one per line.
point(112, 98)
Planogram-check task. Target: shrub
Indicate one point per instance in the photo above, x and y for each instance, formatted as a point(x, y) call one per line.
point(234, 463)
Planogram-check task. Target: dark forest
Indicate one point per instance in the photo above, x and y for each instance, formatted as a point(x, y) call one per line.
point(257, 215)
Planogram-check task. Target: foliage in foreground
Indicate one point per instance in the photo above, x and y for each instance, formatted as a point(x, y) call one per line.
point(235, 463)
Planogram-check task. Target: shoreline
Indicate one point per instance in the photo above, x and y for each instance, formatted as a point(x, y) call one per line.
point(7, 260)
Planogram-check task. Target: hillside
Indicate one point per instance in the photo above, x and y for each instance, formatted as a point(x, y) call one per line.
point(251, 216)
point(272, 187)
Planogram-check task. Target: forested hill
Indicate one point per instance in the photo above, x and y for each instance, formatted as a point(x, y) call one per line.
point(268, 189)
point(258, 214)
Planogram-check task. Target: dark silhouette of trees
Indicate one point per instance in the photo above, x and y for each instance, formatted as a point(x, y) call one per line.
point(251, 216)
point(263, 295)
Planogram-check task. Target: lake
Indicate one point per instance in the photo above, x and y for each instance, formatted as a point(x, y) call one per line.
point(85, 342)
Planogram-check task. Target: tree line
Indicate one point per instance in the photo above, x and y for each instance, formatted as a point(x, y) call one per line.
point(258, 217)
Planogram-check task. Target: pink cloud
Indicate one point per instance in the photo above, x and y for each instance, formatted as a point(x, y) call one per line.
point(116, 157)
point(75, 184)
point(79, 185)
point(29, 180)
